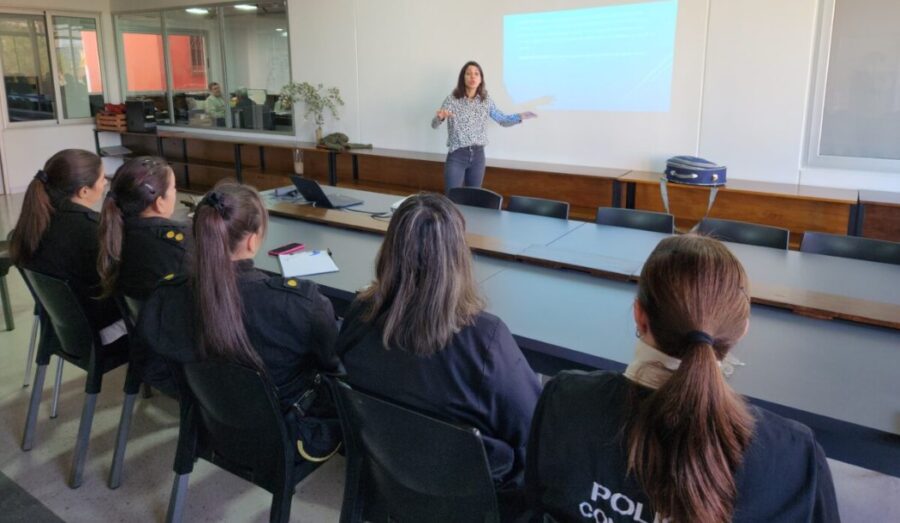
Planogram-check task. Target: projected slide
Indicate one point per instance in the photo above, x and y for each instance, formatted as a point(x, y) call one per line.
point(613, 58)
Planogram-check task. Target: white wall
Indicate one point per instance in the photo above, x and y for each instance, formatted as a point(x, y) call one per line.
point(395, 60)
point(23, 150)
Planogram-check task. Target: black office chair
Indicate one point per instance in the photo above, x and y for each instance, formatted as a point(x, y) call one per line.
point(851, 247)
point(539, 206)
point(74, 341)
point(36, 318)
point(406, 466)
point(230, 417)
point(475, 197)
point(634, 219)
point(743, 232)
point(130, 309)
point(5, 264)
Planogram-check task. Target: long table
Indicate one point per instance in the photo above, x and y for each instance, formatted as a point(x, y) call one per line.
point(809, 284)
point(836, 376)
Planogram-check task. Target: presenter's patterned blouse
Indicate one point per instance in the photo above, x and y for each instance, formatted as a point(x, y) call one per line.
point(466, 125)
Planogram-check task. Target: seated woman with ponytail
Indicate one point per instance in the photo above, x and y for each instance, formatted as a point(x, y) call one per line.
point(57, 232)
point(224, 309)
point(670, 441)
point(139, 243)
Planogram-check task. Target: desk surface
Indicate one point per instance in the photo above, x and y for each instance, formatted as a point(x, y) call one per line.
point(811, 284)
point(880, 197)
point(790, 360)
point(802, 271)
point(847, 196)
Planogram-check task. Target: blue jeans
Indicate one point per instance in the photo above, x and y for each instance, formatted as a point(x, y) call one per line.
point(464, 167)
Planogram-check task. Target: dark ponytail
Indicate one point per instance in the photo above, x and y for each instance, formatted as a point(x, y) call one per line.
point(222, 220)
point(62, 176)
point(686, 439)
point(135, 186)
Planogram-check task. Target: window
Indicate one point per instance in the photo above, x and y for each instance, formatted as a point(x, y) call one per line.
point(78, 62)
point(188, 77)
point(26, 68)
point(855, 120)
point(142, 66)
point(27, 64)
point(257, 51)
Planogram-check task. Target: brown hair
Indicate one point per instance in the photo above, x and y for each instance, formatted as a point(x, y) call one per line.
point(135, 186)
point(424, 291)
point(224, 218)
point(460, 90)
point(62, 176)
point(686, 439)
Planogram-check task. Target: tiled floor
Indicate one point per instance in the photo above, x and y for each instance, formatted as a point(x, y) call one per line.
point(214, 495)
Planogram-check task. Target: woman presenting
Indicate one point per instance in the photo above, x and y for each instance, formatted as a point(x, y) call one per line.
point(467, 110)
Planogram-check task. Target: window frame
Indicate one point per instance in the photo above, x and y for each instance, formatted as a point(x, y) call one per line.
point(58, 119)
point(816, 113)
point(224, 81)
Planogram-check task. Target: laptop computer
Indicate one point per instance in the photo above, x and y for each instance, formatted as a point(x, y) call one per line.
point(311, 192)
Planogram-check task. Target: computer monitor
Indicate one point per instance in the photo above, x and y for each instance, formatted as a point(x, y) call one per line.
point(257, 95)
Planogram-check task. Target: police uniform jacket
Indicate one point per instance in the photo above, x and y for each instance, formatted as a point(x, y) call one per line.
point(480, 379)
point(577, 460)
point(152, 248)
point(69, 250)
point(289, 323)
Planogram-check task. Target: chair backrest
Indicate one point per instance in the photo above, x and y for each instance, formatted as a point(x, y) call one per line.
point(539, 206)
point(238, 422)
point(66, 315)
point(851, 247)
point(411, 467)
point(132, 308)
point(475, 197)
point(634, 219)
point(743, 232)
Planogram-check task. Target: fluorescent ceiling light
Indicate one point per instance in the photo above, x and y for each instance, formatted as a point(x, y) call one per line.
point(245, 7)
point(197, 11)
point(279, 29)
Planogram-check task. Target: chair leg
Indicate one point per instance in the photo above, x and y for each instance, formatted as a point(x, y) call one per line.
point(31, 344)
point(115, 473)
point(54, 407)
point(281, 508)
point(79, 456)
point(7, 306)
point(33, 407)
point(177, 498)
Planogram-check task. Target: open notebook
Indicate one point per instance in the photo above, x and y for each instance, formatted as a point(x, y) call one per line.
point(306, 263)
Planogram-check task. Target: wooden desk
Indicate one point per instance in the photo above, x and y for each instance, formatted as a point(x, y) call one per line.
point(796, 207)
point(879, 215)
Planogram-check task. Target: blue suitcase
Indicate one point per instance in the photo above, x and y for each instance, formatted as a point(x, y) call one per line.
point(691, 170)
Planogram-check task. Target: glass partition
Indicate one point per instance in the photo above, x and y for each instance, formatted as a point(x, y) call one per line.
point(257, 54)
point(142, 65)
point(26, 68)
point(194, 58)
point(219, 67)
point(78, 65)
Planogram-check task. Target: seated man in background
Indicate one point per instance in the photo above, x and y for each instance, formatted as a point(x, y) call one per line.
point(215, 104)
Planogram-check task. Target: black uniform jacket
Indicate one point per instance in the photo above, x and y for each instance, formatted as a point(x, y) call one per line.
point(577, 460)
point(152, 249)
point(479, 379)
point(289, 323)
point(69, 250)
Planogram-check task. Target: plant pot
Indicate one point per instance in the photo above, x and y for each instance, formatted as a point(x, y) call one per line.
point(318, 134)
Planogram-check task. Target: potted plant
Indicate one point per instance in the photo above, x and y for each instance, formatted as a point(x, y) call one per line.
point(316, 99)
